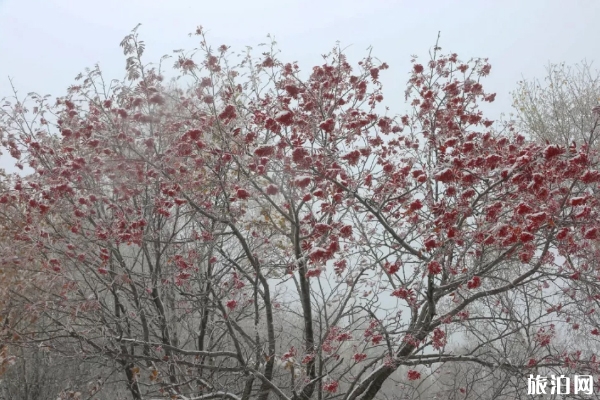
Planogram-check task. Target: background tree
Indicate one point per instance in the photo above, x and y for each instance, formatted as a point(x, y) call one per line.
point(175, 230)
point(559, 107)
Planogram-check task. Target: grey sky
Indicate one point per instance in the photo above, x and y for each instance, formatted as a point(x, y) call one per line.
point(45, 43)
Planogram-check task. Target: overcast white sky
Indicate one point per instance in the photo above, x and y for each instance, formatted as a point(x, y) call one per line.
point(44, 44)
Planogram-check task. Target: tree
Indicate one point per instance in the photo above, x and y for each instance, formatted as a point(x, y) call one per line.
point(178, 229)
point(564, 108)
point(559, 108)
